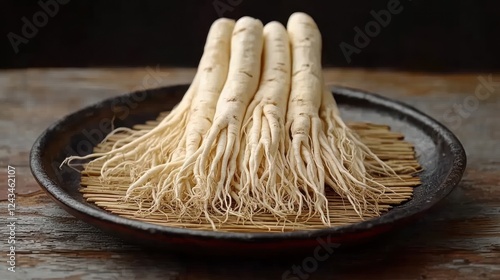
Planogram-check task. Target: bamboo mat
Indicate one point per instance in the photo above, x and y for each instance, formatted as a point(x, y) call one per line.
point(387, 145)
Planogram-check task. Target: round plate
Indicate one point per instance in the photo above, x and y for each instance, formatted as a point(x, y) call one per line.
point(438, 151)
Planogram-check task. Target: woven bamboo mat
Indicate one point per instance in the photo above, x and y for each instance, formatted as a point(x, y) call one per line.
point(387, 145)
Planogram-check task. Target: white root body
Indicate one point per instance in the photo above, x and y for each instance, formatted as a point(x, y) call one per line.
point(211, 74)
point(303, 122)
point(264, 176)
point(214, 164)
point(151, 157)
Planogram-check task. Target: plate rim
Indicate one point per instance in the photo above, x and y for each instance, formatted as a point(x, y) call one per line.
point(69, 203)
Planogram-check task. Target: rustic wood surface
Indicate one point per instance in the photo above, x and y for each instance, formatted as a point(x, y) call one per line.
point(458, 239)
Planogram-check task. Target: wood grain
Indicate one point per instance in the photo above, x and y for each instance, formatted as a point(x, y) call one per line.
point(459, 239)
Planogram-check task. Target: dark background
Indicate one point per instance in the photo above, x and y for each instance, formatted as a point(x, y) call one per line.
point(426, 36)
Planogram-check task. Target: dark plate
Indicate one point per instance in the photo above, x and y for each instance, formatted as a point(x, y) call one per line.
point(439, 152)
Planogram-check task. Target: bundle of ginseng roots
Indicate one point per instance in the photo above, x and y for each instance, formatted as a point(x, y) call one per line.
point(256, 132)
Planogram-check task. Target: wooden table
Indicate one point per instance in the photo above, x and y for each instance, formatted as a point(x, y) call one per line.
point(459, 239)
